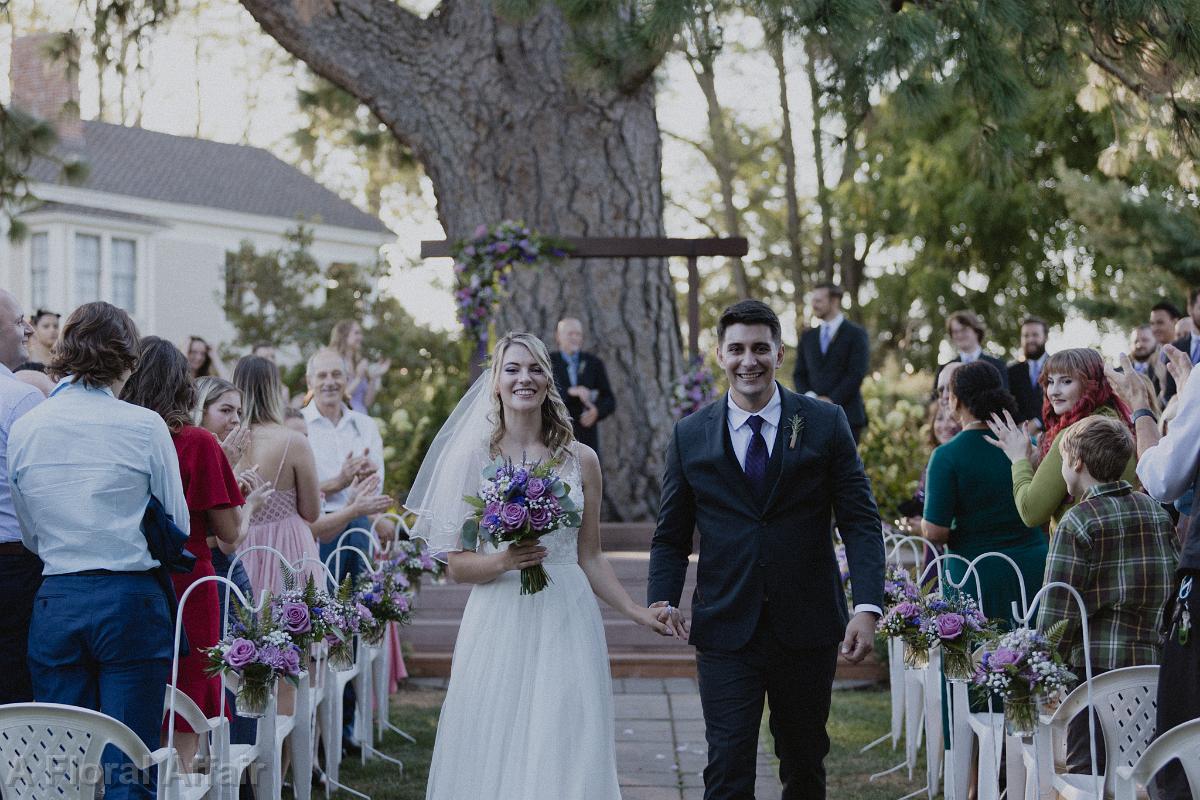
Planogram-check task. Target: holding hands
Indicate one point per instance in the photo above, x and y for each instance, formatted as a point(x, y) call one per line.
point(668, 620)
point(1009, 437)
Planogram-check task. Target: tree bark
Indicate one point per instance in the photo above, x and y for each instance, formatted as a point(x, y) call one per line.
point(490, 109)
point(787, 149)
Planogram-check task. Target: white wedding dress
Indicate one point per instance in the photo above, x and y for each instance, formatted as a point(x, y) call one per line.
point(529, 710)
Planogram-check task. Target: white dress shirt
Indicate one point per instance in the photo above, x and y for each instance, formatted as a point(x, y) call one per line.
point(740, 433)
point(968, 358)
point(82, 466)
point(1168, 469)
point(353, 433)
point(16, 399)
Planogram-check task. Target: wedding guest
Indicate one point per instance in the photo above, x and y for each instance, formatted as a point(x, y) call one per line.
point(201, 361)
point(284, 456)
point(1189, 340)
point(365, 378)
point(969, 504)
point(1168, 468)
point(294, 418)
point(34, 375)
point(833, 357)
point(1074, 385)
point(582, 381)
point(161, 384)
point(1163, 317)
point(1145, 355)
point(1116, 547)
point(1184, 327)
point(83, 466)
point(20, 569)
point(943, 383)
point(1023, 375)
point(45, 334)
point(967, 333)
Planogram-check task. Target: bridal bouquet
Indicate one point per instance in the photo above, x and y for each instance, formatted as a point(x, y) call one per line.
point(257, 651)
point(957, 624)
point(516, 504)
point(1023, 669)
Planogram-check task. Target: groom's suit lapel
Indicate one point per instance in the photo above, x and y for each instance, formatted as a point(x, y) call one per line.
point(720, 448)
point(780, 451)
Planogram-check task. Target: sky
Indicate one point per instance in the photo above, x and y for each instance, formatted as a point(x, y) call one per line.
point(212, 63)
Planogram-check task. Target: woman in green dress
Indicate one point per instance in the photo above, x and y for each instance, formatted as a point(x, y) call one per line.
point(1074, 387)
point(969, 504)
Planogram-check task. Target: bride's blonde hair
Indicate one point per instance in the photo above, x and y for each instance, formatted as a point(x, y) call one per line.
point(557, 433)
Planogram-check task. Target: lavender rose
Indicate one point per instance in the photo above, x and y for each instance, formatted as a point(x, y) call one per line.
point(514, 516)
point(295, 618)
point(363, 611)
point(540, 518)
point(535, 488)
point(950, 626)
point(907, 610)
point(241, 653)
point(1004, 657)
point(291, 661)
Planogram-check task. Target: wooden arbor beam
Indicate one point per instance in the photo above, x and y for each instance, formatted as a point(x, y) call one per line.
point(639, 247)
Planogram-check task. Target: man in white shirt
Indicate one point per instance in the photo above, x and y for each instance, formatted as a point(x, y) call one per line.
point(20, 570)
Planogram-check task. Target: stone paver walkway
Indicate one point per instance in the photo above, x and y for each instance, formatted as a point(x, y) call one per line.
point(661, 751)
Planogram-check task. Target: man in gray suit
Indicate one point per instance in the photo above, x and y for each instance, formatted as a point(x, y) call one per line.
point(760, 473)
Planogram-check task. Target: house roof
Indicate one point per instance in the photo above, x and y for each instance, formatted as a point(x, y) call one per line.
point(51, 207)
point(198, 172)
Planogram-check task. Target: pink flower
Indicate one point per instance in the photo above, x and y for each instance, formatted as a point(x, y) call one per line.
point(950, 626)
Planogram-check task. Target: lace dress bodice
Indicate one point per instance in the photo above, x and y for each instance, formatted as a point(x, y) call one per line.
point(563, 544)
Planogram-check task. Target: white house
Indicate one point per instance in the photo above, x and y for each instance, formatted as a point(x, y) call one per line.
point(150, 227)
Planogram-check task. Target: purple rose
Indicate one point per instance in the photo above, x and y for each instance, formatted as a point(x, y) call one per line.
point(291, 661)
point(907, 610)
point(400, 602)
point(492, 509)
point(1004, 657)
point(363, 611)
point(241, 653)
point(535, 488)
point(540, 518)
point(950, 626)
point(514, 516)
point(481, 231)
point(502, 247)
point(295, 618)
point(426, 564)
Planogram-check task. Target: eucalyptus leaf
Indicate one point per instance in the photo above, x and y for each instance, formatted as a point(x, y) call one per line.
point(475, 501)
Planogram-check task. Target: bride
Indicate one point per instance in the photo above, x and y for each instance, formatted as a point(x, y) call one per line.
point(528, 712)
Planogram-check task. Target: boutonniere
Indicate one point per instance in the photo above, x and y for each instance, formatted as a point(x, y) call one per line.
point(796, 428)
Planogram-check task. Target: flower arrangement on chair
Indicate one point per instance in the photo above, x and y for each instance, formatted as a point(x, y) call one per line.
point(956, 624)
point(257, 651)
point(414, 559)
point(1024, 668)
point(385, 595)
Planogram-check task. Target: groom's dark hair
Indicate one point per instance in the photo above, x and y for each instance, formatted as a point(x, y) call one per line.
point(749, 312)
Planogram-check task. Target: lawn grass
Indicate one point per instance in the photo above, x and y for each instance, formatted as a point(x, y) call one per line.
point(857, 717)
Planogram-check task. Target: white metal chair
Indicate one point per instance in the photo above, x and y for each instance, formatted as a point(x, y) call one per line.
point(1124, 702)
point(1182, 742)
point(190, 785)
point(51, 750)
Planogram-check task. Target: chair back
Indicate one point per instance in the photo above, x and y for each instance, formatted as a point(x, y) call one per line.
point(52, 750)
point(1181, 742)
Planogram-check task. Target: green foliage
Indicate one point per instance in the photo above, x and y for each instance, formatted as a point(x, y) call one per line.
point(284, 297)
point(894, 446)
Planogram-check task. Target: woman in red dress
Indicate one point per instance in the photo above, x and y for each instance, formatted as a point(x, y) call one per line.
point(162, 384)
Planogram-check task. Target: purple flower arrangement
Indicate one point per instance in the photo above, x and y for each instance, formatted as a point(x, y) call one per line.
point(413, 558)
point(694, 389)
point(956, 624)
point(483, 267)
point(385, 595)
point(899, 586)
point(904, 621)
point(1024, 667)
point(303, 613)
point(516, 504)
point(257, 651)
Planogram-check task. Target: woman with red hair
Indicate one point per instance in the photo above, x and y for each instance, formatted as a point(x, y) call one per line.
point(1073, 387)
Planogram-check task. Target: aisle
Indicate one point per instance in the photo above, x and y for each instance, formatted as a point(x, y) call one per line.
point(660, 741)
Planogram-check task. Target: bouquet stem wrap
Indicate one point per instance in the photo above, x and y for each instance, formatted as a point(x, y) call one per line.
point(534, 579)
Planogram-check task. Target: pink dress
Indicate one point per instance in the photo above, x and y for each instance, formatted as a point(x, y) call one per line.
point(278, 524)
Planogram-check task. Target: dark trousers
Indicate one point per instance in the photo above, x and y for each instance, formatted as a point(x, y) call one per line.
point(1179, 692)
point(20, 577)
point(796, 683)
point(104, 642)
point(1079, 748)
point(351, 564)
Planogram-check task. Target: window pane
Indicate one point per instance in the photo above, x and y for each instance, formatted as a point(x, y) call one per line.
point(87, 268)
point(39, 269)
point(124, 274)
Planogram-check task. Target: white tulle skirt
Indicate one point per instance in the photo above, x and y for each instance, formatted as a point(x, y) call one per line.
point(529, 710)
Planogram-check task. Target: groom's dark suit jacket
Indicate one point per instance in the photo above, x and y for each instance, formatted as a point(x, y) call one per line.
point(776, 548)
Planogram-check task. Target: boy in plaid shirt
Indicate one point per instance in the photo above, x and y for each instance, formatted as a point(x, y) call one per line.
point(1117, 548)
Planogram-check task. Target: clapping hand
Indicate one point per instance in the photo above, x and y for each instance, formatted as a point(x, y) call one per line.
point(1127, 384)
point(379, 368)
point(354, 467)
point(365, 499)
point(235, 443)
point(671, 619)
point(1179, 364)
point(1008, 437)
point(256, 489)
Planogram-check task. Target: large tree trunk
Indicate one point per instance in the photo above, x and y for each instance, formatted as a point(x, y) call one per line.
point(775, 45)
point(818, 137)
point(490, 109)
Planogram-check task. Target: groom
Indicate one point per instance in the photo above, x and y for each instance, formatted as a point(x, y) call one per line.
point(759, 473)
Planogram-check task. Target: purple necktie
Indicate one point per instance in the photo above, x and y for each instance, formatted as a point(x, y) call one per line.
point(756, 454)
